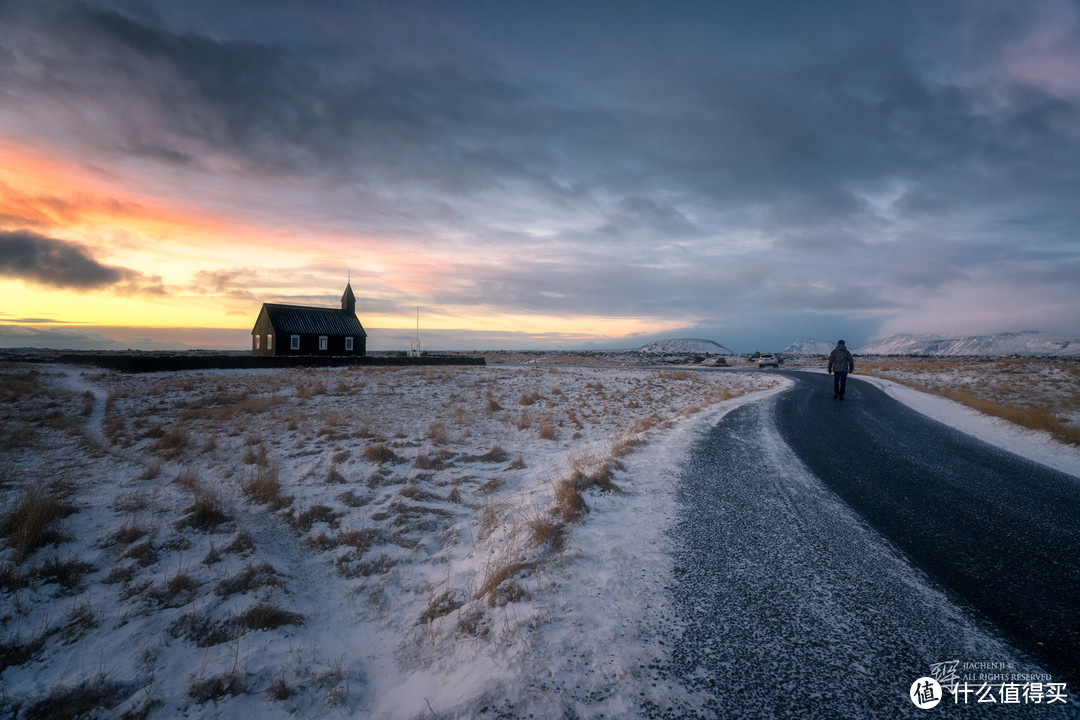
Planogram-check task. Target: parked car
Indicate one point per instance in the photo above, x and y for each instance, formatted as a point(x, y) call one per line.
point(768, 361)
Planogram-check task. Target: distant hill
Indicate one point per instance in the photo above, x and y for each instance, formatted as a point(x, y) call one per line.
point(1022, 343)
point(682, 346)
point(807, 346)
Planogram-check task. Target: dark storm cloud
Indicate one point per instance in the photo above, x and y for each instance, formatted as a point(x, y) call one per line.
point(796, 132)
point(61, 264)
point(860, 154)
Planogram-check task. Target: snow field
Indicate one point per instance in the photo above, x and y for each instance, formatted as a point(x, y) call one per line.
point(394, 542)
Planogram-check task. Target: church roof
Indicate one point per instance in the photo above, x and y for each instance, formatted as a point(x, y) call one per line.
point(303, 320)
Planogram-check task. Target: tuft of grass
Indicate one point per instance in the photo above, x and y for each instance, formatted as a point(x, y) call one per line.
point(305, 519)
point(206, 513)
point(201, 630)
point(268, 616)
point(438, 433)
point(255, 455)
point(379, 453)
point(523, 421)
point(441, 605)
point(203, 690)
point(264, 488)
point(415, 492)
point(67, 572)
point(497, 577)
point(351, 499)
point(279, 690)
point(33, 522)
point(242, 543)
point(79, 619)
point(179, 586)
point(86, 700)
point(543, 530)
point(172, 443)
point(360, 538)
point(532, 398)
point(546, 430)
point(439, 461)
point(252, 577)
point(143, 553)
point(491, 486)
point(130, 532)
point(570, 504)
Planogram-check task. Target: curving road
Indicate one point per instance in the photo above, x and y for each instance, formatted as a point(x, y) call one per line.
point(828, 553)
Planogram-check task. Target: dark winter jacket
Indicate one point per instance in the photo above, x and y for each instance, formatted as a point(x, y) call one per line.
point(840, 360)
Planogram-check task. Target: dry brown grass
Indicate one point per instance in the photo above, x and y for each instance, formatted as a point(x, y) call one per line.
point(264, 488)
point(304, 520)
point(1033, 418)
point(268, 616)
point(252, 577)
point(172, 443)
point(90, 698)
point(34, 520)
point(255, 455)
point(570, 504)
point(380, 453)
point(498, 586)
point(530, 398)
point(438, 433)
point(441, 605)
point(206, 513)
point(203, 690)
point(543, 530)
point(546, 430)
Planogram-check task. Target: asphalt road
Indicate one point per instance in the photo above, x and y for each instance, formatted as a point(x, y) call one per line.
point(827, 553)
point(999, 532)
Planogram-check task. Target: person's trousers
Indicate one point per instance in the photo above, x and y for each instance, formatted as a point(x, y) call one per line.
point(839, 383)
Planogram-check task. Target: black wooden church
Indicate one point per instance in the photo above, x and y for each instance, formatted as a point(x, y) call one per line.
point(303, 330)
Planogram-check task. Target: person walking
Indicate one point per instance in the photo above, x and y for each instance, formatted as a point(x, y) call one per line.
point(840, 364)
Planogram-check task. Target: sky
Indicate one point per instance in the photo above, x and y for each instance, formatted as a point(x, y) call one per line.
point(538, 175)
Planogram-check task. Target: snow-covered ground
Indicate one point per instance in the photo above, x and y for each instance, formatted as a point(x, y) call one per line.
point(379, 542)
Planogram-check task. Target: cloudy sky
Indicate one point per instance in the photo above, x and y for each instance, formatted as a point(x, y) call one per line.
point(539, 174)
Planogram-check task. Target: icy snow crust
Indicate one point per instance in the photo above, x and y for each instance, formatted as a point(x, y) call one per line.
point(386, 563)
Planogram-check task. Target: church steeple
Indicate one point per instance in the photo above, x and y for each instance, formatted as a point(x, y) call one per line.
point(348, 300)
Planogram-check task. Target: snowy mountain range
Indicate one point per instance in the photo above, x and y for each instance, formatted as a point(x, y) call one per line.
point(682, 346)
point(808, 346)
point(1021, 343)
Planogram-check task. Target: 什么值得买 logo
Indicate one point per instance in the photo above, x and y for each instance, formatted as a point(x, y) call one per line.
point(925, 693)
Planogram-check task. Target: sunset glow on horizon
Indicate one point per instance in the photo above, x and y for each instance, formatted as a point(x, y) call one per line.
point(782, 175)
